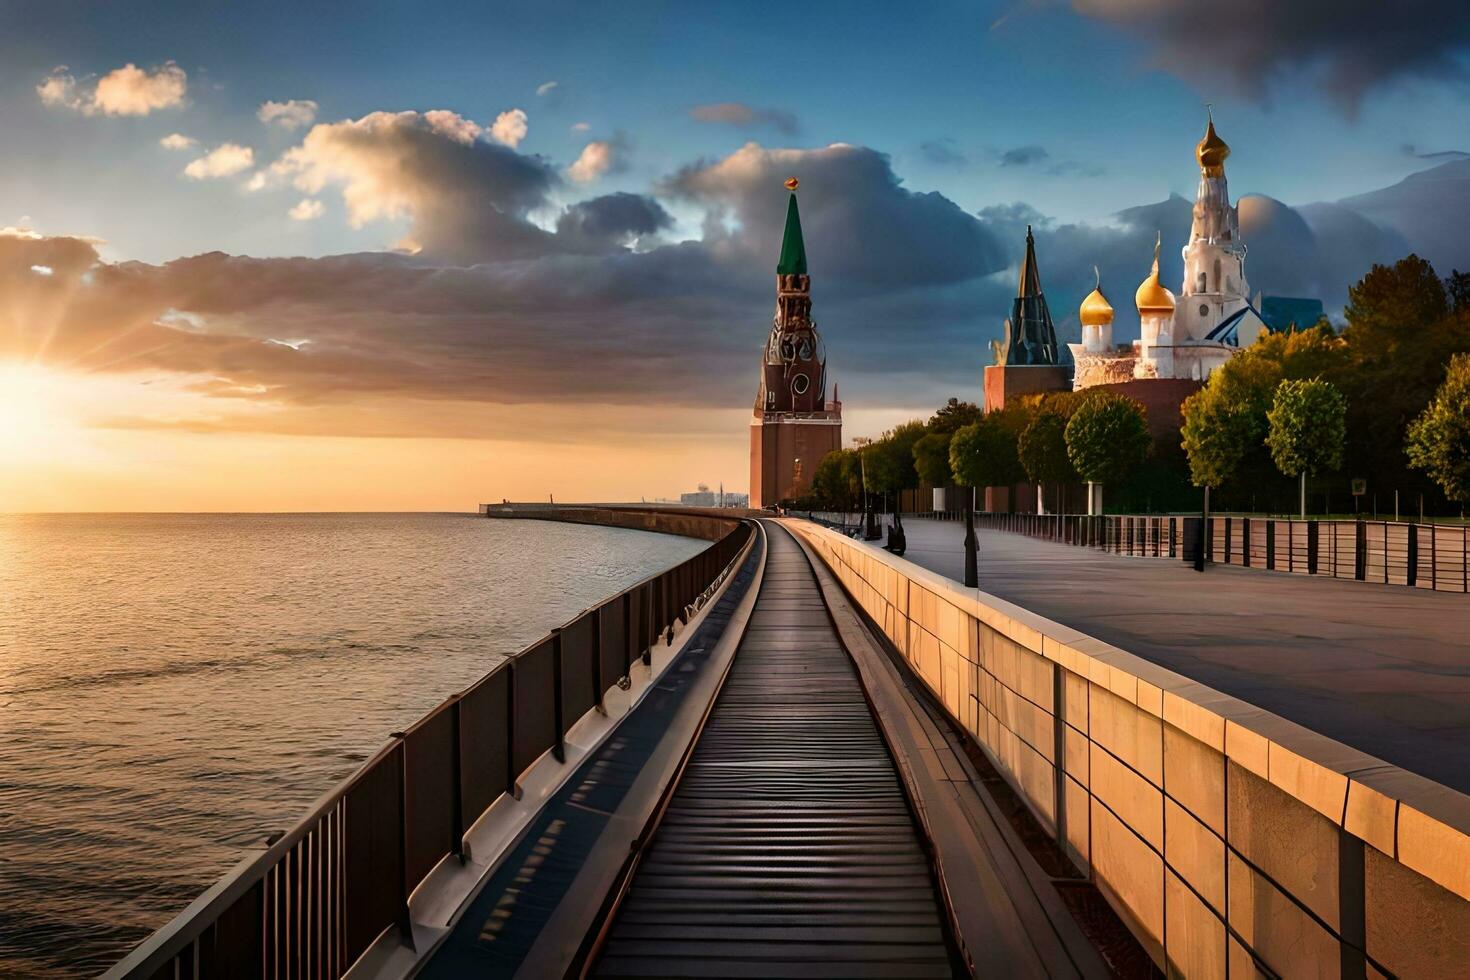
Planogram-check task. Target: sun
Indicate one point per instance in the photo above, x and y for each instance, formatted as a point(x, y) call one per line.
point(37, 420)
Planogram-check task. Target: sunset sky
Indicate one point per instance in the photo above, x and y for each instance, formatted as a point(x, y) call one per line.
point(405, 256)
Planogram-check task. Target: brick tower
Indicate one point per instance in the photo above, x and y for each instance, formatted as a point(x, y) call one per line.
point(794, 424)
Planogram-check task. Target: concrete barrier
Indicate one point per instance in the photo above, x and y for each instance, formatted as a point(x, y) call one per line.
point(1231, 841)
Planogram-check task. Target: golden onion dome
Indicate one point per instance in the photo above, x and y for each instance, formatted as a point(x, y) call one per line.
point(1152, 296)
point(1096, 311)
point(1211, 152)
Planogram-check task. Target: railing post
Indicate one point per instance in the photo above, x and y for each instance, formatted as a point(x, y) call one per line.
point(559, 749)
point(1360, 551)
point(647, 623)
point(405, 920)
point(630, 631)
point(598, 682)
point(1270, 545)
point(1245, 542)
point(1412, 572)
point(1313, 537)
point(511, 786)
point(457, 789)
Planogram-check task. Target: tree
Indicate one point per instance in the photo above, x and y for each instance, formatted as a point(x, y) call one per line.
point(983, 453)
point(837, 481)
point(954, 416)
point(1042, 448)
point(1392, 302)
point(1226, 419)
point(890, 461)
point(1308, 425)
point(1457, 287)
point(1439, 439)
point(931, 459)
point(1107, 437)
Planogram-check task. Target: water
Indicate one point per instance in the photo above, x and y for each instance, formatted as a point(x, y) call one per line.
point(174, 687)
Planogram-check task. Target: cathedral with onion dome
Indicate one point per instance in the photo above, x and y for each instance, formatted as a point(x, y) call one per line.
point(1183, 337)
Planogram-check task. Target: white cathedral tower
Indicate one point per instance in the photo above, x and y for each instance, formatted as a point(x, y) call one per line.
point(1189, 335)
point(1213, 303)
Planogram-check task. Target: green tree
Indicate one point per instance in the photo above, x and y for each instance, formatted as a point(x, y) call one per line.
point(1392, 302)
point(1439, 439)
point(954, 416)
point(984, 454)
point(1226, 419)
point(890, 461)
point(837, 481)
point(1107, 437)
point(1308, 426)
point(931, 459)
point(1042, 448)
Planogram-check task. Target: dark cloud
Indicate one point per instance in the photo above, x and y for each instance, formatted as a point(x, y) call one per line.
point(862, 225)
point(745, 116)
point(943, 152)
point(613, 220)
point(468, 197)
point(1347, 47)
point(908, 288)
point(1410, 150)
point(1024, 156)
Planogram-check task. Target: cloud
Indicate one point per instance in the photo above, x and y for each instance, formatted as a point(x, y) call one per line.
point(745, 116)
point(225, 160)
point(59, 90)
point(619, 219)
point(307, 209)
point(125, 91)
point(509, 128)
point(876, 233)
point(178, 141)
point(1410, 150)
point(545, 88)
point(1024, 156)
point(943, 152)
point(596, 159)
point(580, 127)
point(466, 197)
point(1345, 47)
point(292, 114)
point(599, 312)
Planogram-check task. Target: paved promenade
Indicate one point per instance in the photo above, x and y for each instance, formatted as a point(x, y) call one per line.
point(1385, 669)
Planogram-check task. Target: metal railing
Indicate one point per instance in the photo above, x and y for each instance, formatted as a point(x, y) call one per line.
point(1424, 556)
point(324, 891)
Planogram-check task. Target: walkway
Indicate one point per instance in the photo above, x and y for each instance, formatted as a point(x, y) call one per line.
point(788, 848)
point(1381, 668)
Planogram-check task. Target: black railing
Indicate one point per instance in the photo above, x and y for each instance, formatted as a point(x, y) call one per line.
point(323, 892)
point(1425, 556)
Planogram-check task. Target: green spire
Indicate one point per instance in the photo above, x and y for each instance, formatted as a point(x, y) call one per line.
point(793, 249)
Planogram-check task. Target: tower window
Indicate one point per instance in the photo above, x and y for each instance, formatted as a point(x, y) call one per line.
point(1201, 284)
point(800, 384)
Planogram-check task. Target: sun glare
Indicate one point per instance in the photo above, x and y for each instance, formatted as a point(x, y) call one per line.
point(36, 421)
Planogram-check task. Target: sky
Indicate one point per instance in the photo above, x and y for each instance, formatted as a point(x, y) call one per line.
point(389, 256)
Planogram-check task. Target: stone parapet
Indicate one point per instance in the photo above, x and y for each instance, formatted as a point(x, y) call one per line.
point(1227, 838)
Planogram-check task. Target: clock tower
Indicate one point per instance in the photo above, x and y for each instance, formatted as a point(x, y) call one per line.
point(794, 424)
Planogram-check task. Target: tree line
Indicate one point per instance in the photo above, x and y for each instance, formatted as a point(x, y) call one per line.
point(1386, 399)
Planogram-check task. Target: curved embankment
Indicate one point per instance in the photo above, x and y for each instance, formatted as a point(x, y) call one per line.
point(1226, 837)
point(361, 878)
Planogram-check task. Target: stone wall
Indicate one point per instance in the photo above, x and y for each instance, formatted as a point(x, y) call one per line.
point(1231, 841)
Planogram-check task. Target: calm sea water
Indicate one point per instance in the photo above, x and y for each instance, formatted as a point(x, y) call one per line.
point(175, 687)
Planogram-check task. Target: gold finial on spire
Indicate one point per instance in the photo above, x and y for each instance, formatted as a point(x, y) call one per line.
point(1211, 151)
point(1096, 311)
point(792, 183)
point(1152, 296)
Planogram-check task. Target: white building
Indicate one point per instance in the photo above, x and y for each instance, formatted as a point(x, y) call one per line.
point(1187, 336)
